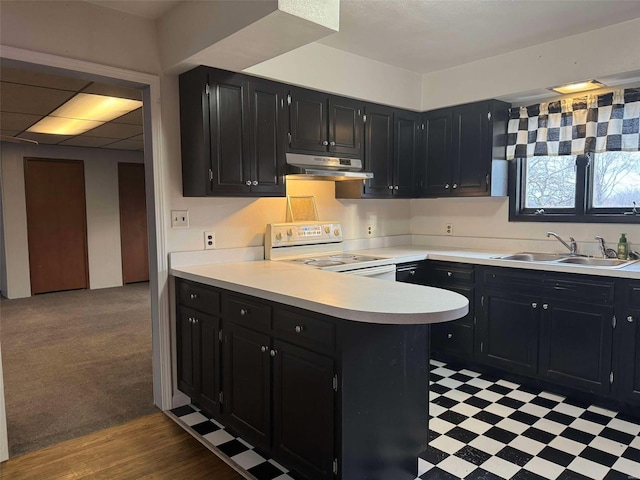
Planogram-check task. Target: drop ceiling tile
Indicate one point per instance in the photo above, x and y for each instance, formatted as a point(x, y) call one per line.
point(32, 100)
point(127, 145)
point(87, 141)
point(132, 118)
point(45, 137)
point(41, 79)
point(114, 91)
point(17, 121)
point(116, 130)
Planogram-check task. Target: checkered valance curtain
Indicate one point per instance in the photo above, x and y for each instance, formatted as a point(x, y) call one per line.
point(589, 124)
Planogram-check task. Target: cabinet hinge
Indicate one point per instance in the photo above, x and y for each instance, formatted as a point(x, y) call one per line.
point(611, 378)
point(206, 89)
point(486, 179)
point(364, 119)
point(221, 398)
point(210, 175)
point(489, 116)
point(475, 320)
point(335, 466)
point(481, 347)
point(289, 136)
point(482, 300)
point(220, 335)
point(614, 322)
point(335, 382)
point(288, 99)
point(422, 126)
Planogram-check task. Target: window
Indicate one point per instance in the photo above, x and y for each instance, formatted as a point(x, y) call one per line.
point(599, 187)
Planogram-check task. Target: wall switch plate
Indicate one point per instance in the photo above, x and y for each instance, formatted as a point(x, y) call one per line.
point(179, 218)
point(448, 229)
point(209, 240)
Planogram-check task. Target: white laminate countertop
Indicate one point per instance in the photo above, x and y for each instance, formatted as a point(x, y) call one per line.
point(349, 297)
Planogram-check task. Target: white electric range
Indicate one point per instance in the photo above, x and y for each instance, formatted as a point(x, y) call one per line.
point(320, 245)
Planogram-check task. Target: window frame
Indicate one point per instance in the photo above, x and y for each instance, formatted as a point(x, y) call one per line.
point(583, 212)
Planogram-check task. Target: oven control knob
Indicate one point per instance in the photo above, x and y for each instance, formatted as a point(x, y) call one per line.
point(327, 229)
point(279, 236)
point(336, 232)
point(289, 233)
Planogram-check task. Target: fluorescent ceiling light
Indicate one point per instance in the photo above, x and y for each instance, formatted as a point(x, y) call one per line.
point(84, 112)
point(578, 87)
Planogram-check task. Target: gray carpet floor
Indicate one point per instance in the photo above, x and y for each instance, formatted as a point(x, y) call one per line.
point(74, 363)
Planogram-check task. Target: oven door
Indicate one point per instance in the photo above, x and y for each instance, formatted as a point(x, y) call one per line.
point(384, 272)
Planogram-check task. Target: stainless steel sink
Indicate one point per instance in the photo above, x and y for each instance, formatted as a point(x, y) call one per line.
point(597, 262)
point(533, 257)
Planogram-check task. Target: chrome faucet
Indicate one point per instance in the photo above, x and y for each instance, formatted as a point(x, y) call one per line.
point(603, 247)
point(573, 248)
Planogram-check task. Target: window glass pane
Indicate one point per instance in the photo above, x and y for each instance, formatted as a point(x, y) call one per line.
point(550, 182)
point(616, 179)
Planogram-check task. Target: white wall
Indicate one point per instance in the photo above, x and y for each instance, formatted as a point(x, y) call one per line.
point(103, 218)
point(595, 54)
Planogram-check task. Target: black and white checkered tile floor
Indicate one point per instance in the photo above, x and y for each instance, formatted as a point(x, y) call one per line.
point(485, 428)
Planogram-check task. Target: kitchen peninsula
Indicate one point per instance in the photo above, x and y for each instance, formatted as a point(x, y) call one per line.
point(327, 372)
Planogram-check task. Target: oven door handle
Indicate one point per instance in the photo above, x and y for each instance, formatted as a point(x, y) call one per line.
point(372, 271)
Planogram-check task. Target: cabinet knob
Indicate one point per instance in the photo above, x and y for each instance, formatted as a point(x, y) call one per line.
point(545, 306)
point(299, 329)
point(190, 320)
point(273, 352)
point(264, 348)
point(244, 311)
point(332, 143)
point(396, 187)
point(630, 319)
point(449, 335)
point(390, 187)
point(254, 183)
point(248, 182)
point(195, 320)
point(193, 296)
point(455, 185)
point(325, 143)
point(534, 305)
point(449, 274)
point(446, 186)
point(412, 272)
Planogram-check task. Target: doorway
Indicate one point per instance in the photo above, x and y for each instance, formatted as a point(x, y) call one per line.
point(56, 224)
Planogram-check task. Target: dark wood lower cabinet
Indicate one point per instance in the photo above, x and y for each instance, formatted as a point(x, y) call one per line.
point(247, 384)
point(627, 384)
point(304, 409)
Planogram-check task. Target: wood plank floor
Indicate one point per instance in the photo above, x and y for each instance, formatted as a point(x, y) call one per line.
point(149, 447)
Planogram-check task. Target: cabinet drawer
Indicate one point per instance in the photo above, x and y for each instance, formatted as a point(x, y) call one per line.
point(199, 297)
point(256, 316)
point(452, 337)
point(304, 330)
point(451, 272)
point(589, 291)
point(632, 294)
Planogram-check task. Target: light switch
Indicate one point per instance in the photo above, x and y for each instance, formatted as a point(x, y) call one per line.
point(179, 218)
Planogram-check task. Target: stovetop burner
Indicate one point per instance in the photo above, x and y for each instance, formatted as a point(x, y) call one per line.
point(323, 263)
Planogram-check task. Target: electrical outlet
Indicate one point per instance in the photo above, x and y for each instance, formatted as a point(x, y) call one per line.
point(448, 229)
point(372, 224)
point(209, 240)
point(370, 230)
point(179, 218)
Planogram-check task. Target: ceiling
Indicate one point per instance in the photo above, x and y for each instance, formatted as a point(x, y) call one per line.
point(29, 95)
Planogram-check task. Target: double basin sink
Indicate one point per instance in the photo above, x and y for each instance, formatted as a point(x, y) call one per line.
point(559, 258)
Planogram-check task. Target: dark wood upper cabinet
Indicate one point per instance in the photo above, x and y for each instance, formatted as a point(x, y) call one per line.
point(460, 144)
point(327, 124)
point(232, 134)
point(378, 150)
point(406, 152)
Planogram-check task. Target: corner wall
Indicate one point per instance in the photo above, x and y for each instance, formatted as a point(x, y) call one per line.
point(103, 218)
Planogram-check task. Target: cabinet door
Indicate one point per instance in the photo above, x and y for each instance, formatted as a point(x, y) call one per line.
point(304, 405)
point(228, 124)
point(208, 330)
point(471, 150)
point(308, 121)
point(575, 344)
point(628, 374)
point(437, 170)
point(508, 331)
point(407, 141)
point(188, 353)
point(247, 383)
point(268, 127)
point(345, 127)
point(378, 150)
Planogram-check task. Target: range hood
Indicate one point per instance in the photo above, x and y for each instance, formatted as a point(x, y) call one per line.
point(315, 167)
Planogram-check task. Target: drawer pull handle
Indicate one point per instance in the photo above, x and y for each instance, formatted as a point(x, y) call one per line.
point(449, 335)
point(299, 328)
point(273, 352)
point(264, 348)
point(630, 319)
point(244, 311)
point(193, 296)
point(534, 305)
point(545, 306)
point(449, 274)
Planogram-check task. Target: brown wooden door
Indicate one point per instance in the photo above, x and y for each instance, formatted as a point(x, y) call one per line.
point(56, 225)
point(133, 223)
